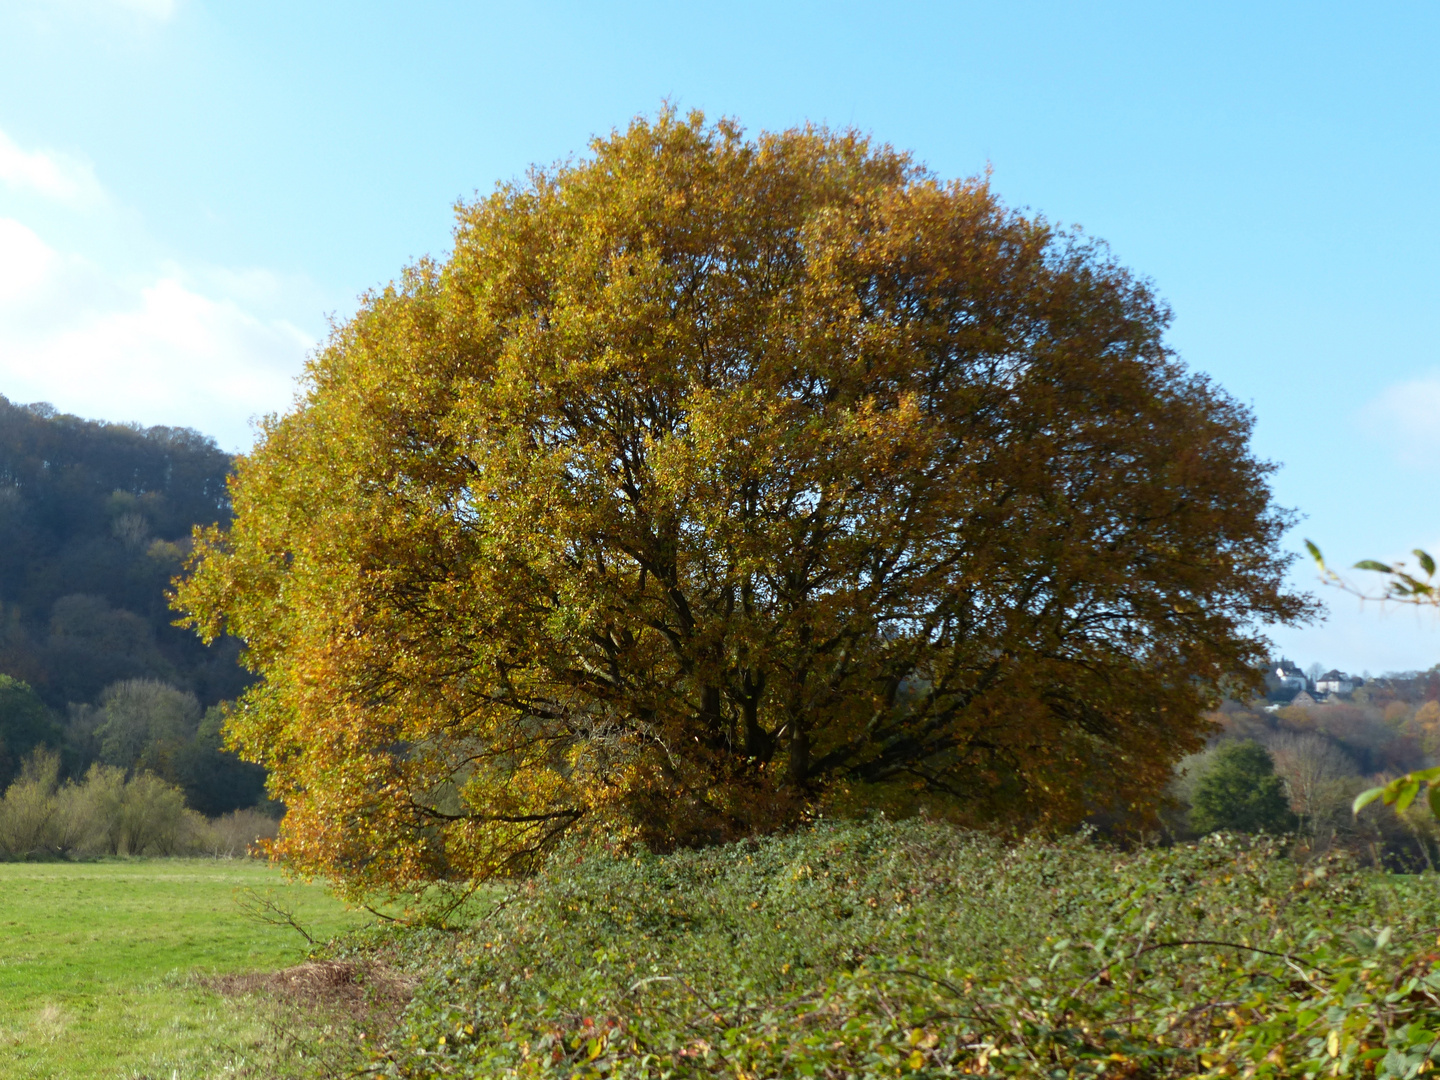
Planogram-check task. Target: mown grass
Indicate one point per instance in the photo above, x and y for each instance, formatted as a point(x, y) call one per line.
point(101, 965)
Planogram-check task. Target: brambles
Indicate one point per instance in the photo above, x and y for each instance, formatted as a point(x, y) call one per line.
point(867, 950)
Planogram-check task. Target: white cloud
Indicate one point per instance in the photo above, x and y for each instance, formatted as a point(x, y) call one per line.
point(26, 262)
point(54, 175)
point(1407, 417)
point(154, 349)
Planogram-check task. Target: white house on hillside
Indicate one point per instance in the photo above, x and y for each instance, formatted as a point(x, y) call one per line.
point(1336, 682)
point(1287, 676)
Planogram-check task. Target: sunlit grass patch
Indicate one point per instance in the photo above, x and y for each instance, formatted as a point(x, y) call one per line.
point(102, 965)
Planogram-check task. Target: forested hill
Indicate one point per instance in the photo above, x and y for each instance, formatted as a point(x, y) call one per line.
point(95, 520)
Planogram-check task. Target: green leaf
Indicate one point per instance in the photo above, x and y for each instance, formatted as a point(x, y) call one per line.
point(1371, 564)
point(1432, 796)
point(1426, 774)
point(1365, 798)
point(1315, 554)
point(1408, 791)
point(1409, 586)
point(1426, 562)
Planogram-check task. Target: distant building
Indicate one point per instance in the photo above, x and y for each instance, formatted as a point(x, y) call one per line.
point(1337, 682)
point(1286, 684)
point(1282, 695)
point(1282, 675)
point(1287, 696)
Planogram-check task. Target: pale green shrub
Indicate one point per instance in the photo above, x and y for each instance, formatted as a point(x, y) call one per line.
point(29, 806)
point(237, 834)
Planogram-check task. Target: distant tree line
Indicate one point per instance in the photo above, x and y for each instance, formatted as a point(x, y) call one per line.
point(95, 521)
point(1299, 769)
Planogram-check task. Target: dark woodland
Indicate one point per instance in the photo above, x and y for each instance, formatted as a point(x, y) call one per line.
point(95, 520)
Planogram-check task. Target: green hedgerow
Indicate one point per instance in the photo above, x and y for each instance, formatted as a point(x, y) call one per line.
point(915, 949)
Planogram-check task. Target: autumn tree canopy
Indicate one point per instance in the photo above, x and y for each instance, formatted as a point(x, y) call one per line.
point(713, 480)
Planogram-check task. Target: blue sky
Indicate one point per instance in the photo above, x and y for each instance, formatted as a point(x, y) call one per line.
point(189, 188)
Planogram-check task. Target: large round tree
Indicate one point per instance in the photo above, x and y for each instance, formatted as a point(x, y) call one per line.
point(712, 481)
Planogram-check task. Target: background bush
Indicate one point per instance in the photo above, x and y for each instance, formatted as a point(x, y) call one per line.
point(108, 813)
point(1239, 790)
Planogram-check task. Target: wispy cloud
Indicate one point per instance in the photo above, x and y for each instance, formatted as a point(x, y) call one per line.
point(114, 330)
point(26, 262)
point(155, 348)
point(54, 175)
point(1406, 416)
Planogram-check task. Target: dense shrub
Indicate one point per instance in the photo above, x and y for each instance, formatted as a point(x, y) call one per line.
point(915, 949)
point(108, 813)
point(1239, 790)
point(30, 806)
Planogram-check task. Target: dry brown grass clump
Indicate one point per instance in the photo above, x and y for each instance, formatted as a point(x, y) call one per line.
point(321, 1018)
point(368, 992)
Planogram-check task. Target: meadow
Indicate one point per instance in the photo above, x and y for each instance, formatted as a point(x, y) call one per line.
point(103, 965)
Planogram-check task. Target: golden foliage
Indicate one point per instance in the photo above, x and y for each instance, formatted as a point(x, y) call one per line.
point(1424, 725)
point(710, 479)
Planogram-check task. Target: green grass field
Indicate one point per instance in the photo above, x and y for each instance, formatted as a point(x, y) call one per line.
point(99, 964)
